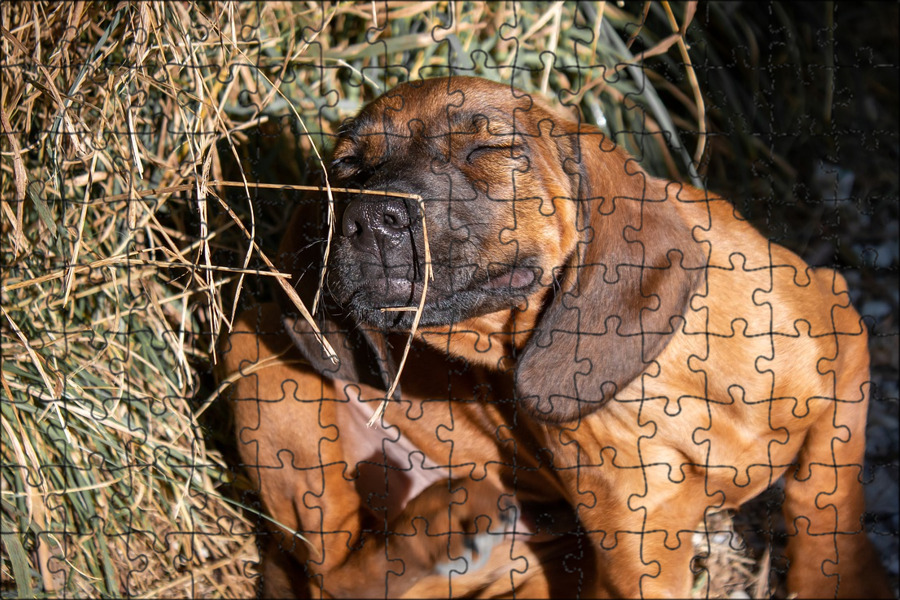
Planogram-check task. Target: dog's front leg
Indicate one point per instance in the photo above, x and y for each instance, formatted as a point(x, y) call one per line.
point(829, 552)
point(640, 525)
point(451, 527)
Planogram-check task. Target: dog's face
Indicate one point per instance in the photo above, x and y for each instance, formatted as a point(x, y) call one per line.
point(487, 162)
point(526, 213)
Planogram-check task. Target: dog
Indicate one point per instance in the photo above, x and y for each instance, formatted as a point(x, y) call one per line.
point(677, 362)
point(448, 497)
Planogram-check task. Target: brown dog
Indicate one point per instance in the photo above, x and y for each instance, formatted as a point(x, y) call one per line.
point(447, 498)
point(681, 362)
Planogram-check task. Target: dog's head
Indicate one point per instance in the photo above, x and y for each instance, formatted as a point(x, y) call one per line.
point(525, 210)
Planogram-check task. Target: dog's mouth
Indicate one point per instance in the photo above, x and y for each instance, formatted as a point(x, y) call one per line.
point(389, 292)
point(392, 302)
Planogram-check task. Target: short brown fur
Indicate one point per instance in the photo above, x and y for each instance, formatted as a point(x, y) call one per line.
point(681, 361)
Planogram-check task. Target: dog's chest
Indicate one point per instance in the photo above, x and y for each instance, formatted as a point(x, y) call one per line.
point(389, 468)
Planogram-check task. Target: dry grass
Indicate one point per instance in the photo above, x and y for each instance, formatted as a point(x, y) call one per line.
point(119, 122)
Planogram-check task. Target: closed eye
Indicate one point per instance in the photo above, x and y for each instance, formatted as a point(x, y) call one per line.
point(345, 161)
point(355, 168)
point(486, 149)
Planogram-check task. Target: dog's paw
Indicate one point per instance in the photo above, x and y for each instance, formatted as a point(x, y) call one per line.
point(457, 523)
point(476, 551)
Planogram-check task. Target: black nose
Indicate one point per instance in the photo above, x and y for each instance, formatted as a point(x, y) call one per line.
point(371, 224)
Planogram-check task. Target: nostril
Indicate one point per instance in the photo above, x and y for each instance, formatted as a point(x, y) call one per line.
point(350, 227)
point(395, 215)
point(352, 224)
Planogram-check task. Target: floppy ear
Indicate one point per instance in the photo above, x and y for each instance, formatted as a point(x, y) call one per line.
point(622, 293)
point(362, 356)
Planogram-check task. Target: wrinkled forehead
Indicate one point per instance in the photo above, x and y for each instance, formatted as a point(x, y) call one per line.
point(436, 107)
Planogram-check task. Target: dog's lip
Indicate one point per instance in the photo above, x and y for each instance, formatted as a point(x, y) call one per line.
point(493, 290)
point(513, 278)
point(381, 288)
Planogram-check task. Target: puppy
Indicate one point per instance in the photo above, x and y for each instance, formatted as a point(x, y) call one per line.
point(447, 497)
point(678, 362)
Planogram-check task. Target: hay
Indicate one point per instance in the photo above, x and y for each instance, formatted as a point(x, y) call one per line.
point(119, 121)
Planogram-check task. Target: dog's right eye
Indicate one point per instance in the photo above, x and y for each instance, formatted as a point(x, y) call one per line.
point(346, 166)
point(487, 149)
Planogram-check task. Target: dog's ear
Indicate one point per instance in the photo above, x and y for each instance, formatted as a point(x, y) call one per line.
point(361, 356)
point(623, 292)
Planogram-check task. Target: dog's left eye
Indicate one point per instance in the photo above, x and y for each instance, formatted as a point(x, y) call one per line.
point(485, 150)
point(344, 161)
